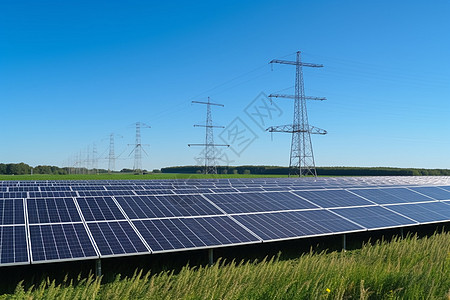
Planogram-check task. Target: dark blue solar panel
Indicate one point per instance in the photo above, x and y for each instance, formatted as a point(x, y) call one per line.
point(374, 217)
point(333, 198)
point(11, 211)
point(433, 192)
point(104, 193)
point(154, 192)
point(55, 188)
point(23, 189)
point(184, 233)
point(99, 209)
point(13, 245)
point(378, 196)
point(115, 238)
point(406, 195)
point(52, 194)
point(60, 241)
point(52, 210)
point(424, 212)
point(141, 207)
point(287, 225)
point(6, 195)
point(259, 202)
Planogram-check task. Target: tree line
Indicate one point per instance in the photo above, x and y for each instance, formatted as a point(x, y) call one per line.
point(321, 171)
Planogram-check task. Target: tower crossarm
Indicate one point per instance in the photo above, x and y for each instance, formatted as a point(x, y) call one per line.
point(209, 126)
point(207, 103)
point(295, 63)
point(293, 97)
point(291, 129)
point(209, 145)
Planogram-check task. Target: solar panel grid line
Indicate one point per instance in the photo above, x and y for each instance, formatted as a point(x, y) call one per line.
point(428, 212)
point(59, 243)
point(402, 203)
point(403, 215)
point(409, 188)
point(12, 243)
point(367, 199)
point(89, 233)
point(99, 208)
point(113, 240)
point(132, 225)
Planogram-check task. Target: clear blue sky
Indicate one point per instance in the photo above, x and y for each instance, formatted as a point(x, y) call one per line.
point(72, 72)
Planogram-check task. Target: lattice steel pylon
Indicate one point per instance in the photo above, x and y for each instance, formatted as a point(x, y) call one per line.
point(302, 157)
point(210, 147)
point(112, 156)
point(138, 148)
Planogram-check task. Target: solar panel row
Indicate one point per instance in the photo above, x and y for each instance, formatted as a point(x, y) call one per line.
point(91, 224)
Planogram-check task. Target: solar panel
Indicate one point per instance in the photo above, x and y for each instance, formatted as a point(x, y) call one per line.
point(333, 198)
point(431, 212)
point(295, 224)
point(433, 192)
point(259, 202)
point(99, 209)
point(17, 195)
point(116, 238)
point(187, 233)
point(143, 207)
point(11, 211)
point(13, 245)
point(53, 242)
point(70, 220)
point(52, 210)
point(374, 217)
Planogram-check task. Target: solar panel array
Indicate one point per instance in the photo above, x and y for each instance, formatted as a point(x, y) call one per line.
point(50, 221)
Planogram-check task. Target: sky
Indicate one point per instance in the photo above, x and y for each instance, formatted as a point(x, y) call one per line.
point(73, 72)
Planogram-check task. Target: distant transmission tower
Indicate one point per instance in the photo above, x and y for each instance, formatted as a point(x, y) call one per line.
point(138, 148)
point(112, 156)
point(302, 157)
point(94, 159)
point(210, 147)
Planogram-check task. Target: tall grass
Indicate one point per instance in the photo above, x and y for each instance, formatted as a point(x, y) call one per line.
point(410, 268)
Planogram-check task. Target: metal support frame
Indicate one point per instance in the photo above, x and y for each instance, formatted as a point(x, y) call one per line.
point(344, 242)
point(211, 257)
point(98, 267)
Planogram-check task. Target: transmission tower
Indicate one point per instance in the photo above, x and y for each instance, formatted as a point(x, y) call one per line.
point(302, 157)
point(210, 147)
point(138, 147)
point(94, 159)
point(112, 156)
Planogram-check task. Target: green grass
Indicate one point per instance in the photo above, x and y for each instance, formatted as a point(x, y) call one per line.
point(409, 268)
point(129, 176)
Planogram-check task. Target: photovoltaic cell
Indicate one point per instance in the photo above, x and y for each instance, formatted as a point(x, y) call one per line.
point(6, 195)
point(13, 245)
point(259, 202)
point(116, 238)
point(406, 195)
point(374, 217)
point(286, 225)
point(143, 207)
point(424, 212)
point(60, 242)
point(11, 211)
point(185, 233)
point(99, 209)
point(333, 198)
point(52, 210)
point(433, 192)
point(378, 196)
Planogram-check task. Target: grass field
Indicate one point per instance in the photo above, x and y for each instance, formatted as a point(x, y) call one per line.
point(410, 268)
point(129, 176)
